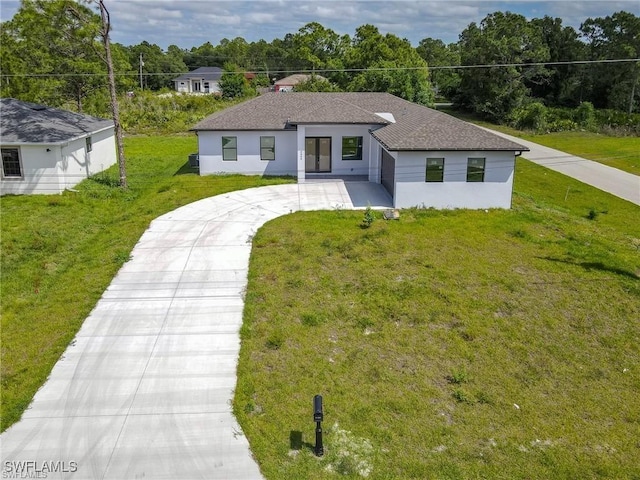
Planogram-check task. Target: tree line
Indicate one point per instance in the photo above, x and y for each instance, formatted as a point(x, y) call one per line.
point(48, 54)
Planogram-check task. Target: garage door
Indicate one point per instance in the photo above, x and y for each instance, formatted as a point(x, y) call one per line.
point(387, 175)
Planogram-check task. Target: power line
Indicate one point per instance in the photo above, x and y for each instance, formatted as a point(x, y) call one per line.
point(344, 70)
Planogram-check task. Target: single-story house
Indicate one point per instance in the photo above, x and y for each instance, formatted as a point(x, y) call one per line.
point(47, 150)
point(423, 157)
point(287, 84)
point(200, 80)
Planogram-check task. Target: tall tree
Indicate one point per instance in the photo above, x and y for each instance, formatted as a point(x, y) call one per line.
point(614, 37)
point(386, 63)
point(51, 54)
point(437, 54)
point(202, 56)
point(233, 82)
point(506, 40)
point(57, 39)
point(159, 68)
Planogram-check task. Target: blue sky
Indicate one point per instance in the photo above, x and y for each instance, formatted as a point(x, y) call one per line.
point(189, 23)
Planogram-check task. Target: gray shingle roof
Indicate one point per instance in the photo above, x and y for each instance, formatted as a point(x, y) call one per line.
point(24, 122)
point(212, 74)
point(416, 127)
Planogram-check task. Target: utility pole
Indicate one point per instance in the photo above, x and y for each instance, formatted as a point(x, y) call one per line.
point(141, 65)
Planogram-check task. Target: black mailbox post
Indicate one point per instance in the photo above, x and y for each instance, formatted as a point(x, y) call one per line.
point(318, 416)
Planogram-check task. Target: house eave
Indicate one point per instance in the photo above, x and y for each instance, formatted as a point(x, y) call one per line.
point(458, 149)
point(59, 142)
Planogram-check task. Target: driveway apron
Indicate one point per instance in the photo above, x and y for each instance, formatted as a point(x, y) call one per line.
point(145, 388)
point(612, 180)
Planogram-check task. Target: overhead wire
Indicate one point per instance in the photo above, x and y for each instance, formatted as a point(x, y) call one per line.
point(344, 70)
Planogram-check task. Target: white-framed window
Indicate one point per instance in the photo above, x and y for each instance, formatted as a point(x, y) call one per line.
point(11, 163)
point(267, 148)
point(475, 169)
point(230, 149)
point(435, 170)
point(351, 148)
point(89, 144)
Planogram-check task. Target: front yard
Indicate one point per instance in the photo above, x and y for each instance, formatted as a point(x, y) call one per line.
point(446, 344)
point(455, 344)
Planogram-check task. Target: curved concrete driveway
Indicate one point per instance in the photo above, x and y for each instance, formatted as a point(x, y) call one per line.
point(145, 389)
point(612, 180)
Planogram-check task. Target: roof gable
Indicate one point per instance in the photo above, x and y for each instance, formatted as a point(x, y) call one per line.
point(24, 122)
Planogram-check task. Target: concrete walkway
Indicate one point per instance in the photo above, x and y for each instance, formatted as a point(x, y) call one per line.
point(145, 389)
point(621, 184)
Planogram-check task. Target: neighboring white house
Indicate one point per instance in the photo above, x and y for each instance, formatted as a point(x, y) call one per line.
point(422, 157)
point(200, 80)
point(288, 84)
point(47, 150)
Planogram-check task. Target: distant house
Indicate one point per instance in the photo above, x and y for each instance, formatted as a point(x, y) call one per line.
point(200, 80)
point(47, 150)
point(287, 84)
point(421, 156)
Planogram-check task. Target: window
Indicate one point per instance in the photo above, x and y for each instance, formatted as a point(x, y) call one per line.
point(351, 148)
point(89, 145)
point(11, 163)
point(267, 148)
point(435, 170)
point(475, 170)
point(229, 148)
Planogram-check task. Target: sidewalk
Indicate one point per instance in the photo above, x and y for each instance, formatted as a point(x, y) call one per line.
point(621, 184)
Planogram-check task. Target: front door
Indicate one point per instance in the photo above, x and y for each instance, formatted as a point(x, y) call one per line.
point(317, 154)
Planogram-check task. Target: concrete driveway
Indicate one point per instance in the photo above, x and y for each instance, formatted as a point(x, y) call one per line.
point(145, 388)
point(621, 184)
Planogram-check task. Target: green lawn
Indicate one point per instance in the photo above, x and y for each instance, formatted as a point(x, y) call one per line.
point(448, 344)
point(618, 152)
point(59, 253)
point(423, 334)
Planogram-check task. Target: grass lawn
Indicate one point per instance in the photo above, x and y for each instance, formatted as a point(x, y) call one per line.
point(448, 344)
point(59, 253)
point(618, 152)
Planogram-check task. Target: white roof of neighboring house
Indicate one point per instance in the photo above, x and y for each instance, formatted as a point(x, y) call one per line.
point(296, 79)
point(25, 122)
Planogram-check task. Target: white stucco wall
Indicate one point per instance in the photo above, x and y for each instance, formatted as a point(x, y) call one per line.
point(454, 192)
point(289, 151)
point(336, 132)
point(63, 166)
point(186, 86)
point(249, 162)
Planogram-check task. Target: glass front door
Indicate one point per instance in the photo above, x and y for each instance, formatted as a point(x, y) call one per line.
point(317, 154)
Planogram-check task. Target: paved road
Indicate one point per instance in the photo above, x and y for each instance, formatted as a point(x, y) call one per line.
point(621, 184)
point(145, 389)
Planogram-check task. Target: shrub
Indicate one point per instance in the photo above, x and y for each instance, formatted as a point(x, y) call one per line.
point(562, 126)
point(369, 217)
point(585, 115)
point(530, 117)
